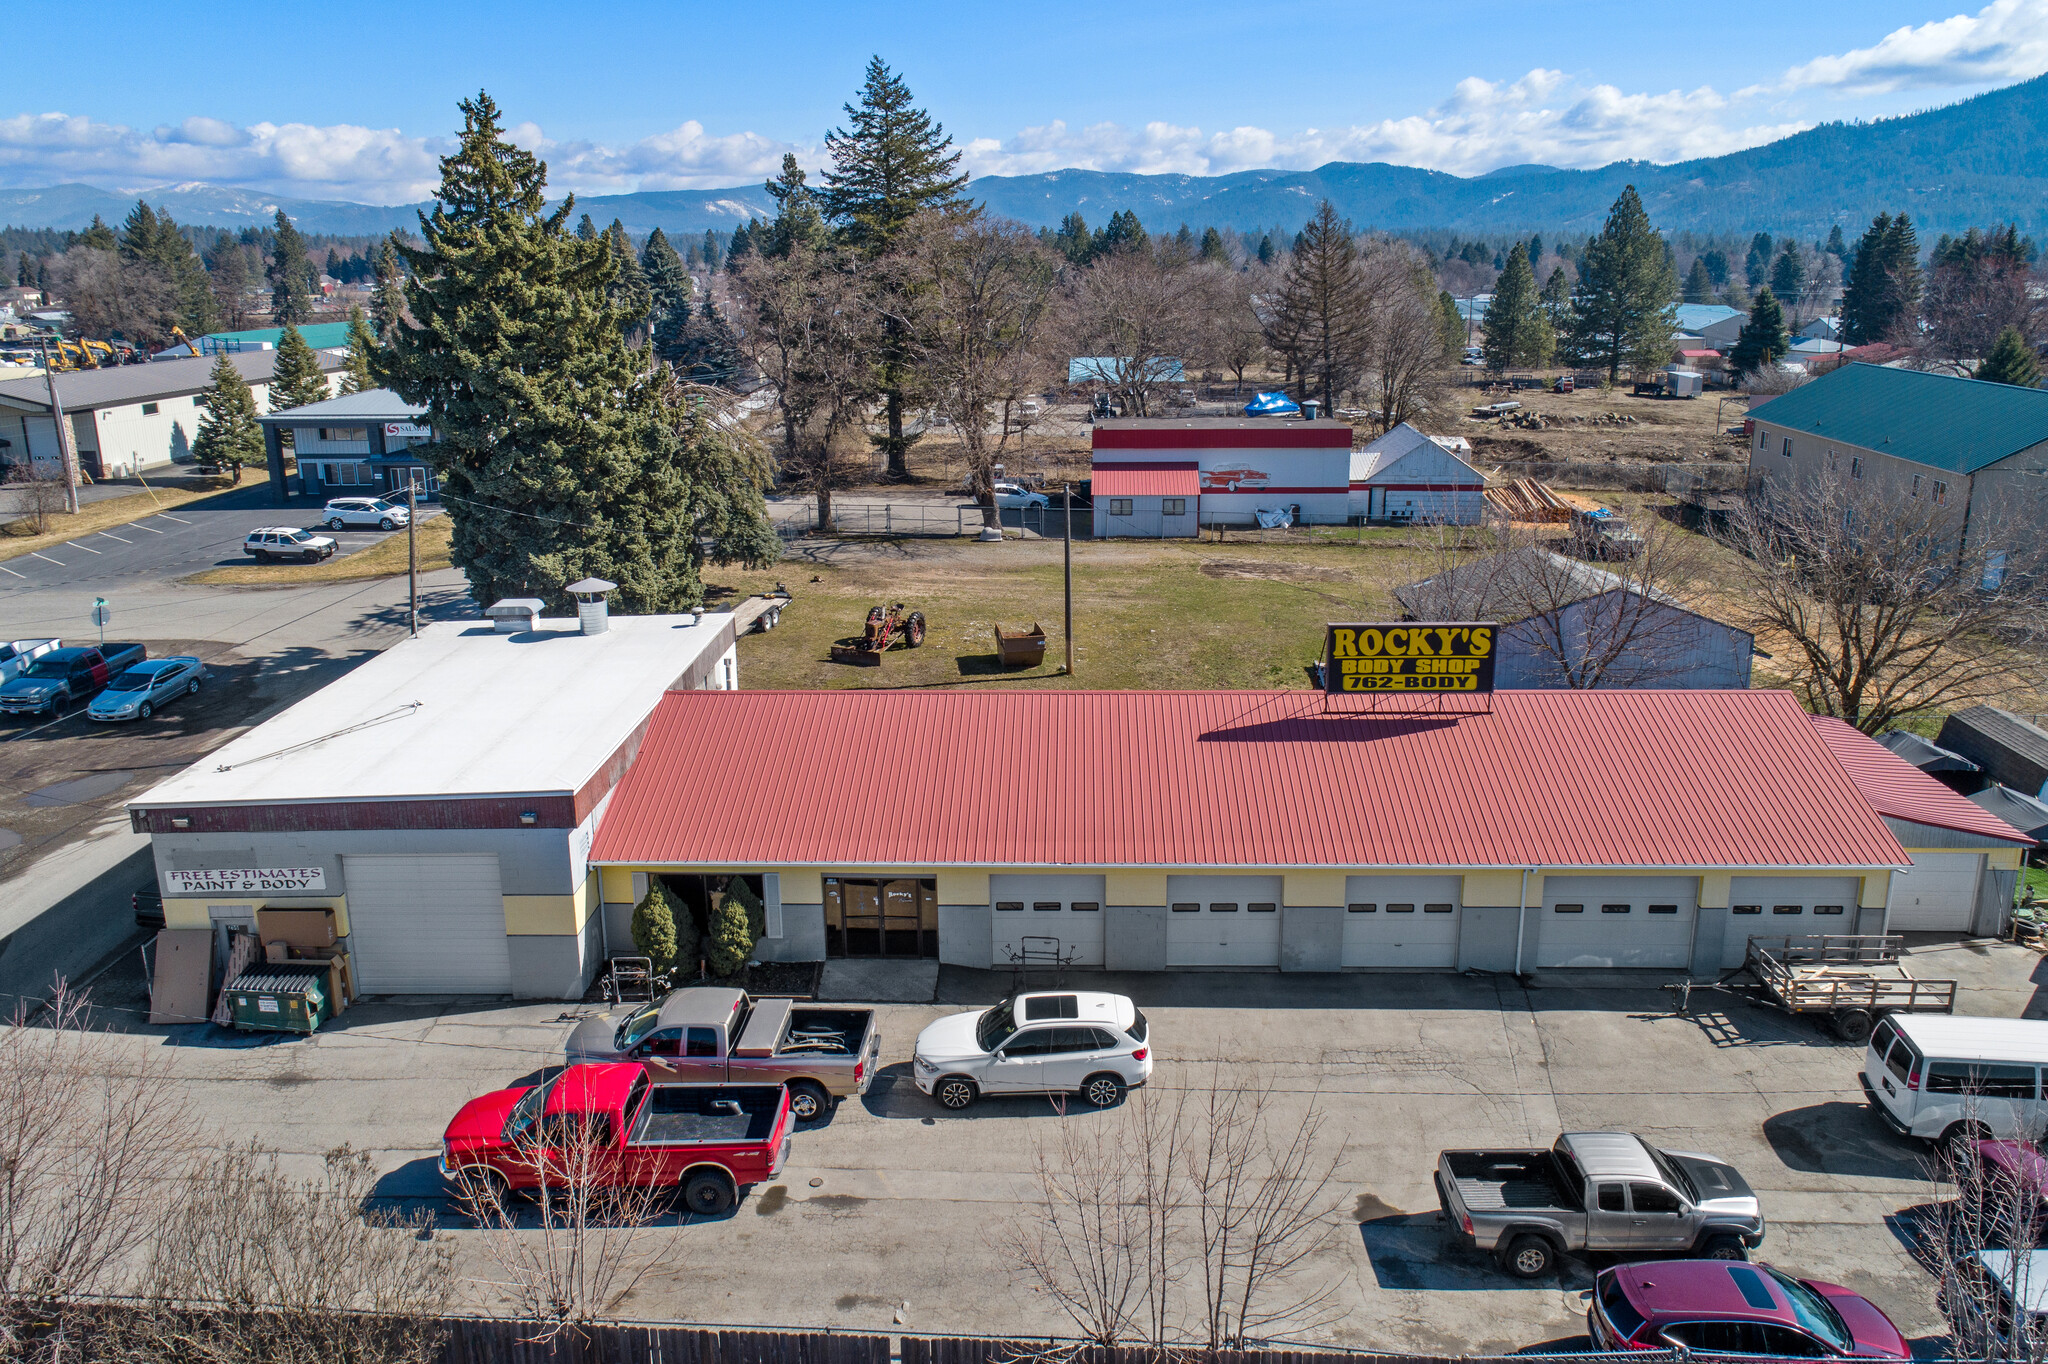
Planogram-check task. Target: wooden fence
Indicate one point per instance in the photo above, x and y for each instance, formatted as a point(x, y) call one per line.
point(489, 1341)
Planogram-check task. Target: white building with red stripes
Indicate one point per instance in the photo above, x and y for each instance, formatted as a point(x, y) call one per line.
point(1408, 476)
point(1165, 477)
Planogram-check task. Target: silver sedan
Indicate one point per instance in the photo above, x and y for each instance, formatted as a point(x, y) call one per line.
point(138, 693)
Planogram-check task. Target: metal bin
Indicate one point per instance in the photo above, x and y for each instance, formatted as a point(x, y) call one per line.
point(279, 1001)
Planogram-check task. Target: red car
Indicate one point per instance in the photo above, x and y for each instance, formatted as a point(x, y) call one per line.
point(708, 1141)
point(1726, 1308)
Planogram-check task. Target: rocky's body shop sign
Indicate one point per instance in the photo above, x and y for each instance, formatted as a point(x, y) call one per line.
point(245, 880)
point(1409, 656)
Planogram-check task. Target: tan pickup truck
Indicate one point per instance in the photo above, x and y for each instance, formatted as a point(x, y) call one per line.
point(709, 1034)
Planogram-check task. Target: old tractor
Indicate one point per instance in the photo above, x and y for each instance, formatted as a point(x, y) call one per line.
point(886, 630)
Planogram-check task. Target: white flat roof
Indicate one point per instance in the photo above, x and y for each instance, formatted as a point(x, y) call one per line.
point(458, 711)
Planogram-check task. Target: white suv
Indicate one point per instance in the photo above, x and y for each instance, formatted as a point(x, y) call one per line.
point(287, 542)
point(343, 512)
point(1046, 1042)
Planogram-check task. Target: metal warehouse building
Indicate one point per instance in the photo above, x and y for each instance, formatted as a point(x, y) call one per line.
point(441, 798)
point(1256, 829)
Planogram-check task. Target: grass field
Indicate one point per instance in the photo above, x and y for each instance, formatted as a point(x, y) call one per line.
point(115, 511)
point(380, 560)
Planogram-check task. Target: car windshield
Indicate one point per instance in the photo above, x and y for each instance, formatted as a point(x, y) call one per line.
point(1674, 1174)
point(295, 536)
point(49, 665)
point(637, 1026)
point(380, 506)
point(1816, 1314)
point(528, 1109)
point(995, 1027)
point(133, 681)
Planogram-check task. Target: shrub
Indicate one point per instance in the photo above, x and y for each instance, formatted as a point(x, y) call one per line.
point(662, 930)
point(732, 936)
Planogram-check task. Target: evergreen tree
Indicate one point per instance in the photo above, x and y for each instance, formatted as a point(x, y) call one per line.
point(1213, 249)
point(99, 236)
point(1621, 312)
point(586, 230)
point(1762, 342)
point(1557, 300)
point(1699, 285)
point(1184, 241)
point(710, 252)
point(229, 434)
point(797, 218)
point(1516, 334)
point(660, 922)
point(24, 272)
point(1535, 251)
point(1788, 275)
point(387, 295)
point(1717, 267)
point(742, 242)
point(1267, 250)
point(1757, 267)
point(1073, 240)
point(1321, 320)
point(295, 377)
point(668, 280)
point(1836, 247)
point(291, 297)
point(1123, 233)
point(356, 375)
point(1450, 325)
point(2011, 361)
point(139, 234)
point(630, 291)
point(552, 439)
point(730, 942)
point(1881, 295)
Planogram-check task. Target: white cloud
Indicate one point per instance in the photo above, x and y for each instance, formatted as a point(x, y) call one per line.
point(1543, 117)
point(2005, 41)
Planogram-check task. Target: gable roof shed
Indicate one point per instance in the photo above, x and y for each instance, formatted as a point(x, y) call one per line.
point(2011, 751)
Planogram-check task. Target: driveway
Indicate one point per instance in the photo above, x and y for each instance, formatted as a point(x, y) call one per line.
point(895, 1206)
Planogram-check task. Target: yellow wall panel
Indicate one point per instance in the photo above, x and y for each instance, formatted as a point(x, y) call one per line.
point(541, 915)
point(957, 887)
point(1498, 889)
point(618, 884)
point(1313, 888)
point(1134, 887)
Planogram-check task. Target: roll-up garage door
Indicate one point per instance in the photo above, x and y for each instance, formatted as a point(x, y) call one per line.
point(1939, 893)
point(1786, 907)
point(427, 925)
point(1395, 922)
point(1066, 908)
point(1617, 921)
point(1223, 920)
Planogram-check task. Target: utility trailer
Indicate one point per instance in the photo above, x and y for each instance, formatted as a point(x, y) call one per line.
point(1851, 978)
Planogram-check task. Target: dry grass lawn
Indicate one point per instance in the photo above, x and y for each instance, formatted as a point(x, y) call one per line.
point(380, 560)
point(15, 538)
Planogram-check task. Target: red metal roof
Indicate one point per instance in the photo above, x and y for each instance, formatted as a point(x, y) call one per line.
point(1196, 433)
point(1236, 778)
point(1168, 478)
point(1897, 788)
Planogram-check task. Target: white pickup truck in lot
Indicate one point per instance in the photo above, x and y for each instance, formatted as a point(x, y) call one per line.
point(17, 654)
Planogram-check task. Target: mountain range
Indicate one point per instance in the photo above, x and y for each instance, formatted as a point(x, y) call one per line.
point(1979, 161)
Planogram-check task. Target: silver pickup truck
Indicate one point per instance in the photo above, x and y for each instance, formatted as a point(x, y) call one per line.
point(710, 1034)
point(1605, 1191)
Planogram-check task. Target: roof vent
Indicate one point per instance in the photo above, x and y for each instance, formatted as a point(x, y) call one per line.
point(515, 614)
point(590, 606)
point(1308, 410)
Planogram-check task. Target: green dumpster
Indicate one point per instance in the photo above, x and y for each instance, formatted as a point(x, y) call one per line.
point(279, 1001)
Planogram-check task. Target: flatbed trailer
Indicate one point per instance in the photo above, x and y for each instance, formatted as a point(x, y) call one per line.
point(1852, 978)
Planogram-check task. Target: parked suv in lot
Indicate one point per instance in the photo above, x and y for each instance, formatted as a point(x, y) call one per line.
point(1052, 1042)
point(1714, 1307)
point(287, 542)
point(344, 512)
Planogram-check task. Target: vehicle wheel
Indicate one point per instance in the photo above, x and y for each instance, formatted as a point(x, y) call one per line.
point(192, 687)
point(1528, 1257)
point(708, 1193)
point(385, 523)
point(336, 523)
point(1103, 1091)
point(956, 1092)
point(259, 556)
point(808, 1101)
point(1723, 1248)
point(1959, 1145)
point(483, 1187)
point(913, 629)
point(312, 556)
point(144, 711)
point(1853, 1025)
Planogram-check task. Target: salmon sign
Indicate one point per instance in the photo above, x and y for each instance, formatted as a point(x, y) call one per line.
point(245, 880)
point(1410, 656)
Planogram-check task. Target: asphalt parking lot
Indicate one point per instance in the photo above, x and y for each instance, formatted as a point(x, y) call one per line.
point(895, 1207)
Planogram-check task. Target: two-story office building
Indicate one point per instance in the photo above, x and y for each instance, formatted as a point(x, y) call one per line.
point(358, 445)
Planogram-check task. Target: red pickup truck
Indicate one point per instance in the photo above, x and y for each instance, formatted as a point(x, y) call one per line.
point(708, 1141)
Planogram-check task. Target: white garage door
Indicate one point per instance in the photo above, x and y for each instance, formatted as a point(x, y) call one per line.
point(1223, 920)
point(1939, 893)
point(1787, 907)
point(1066, 908)
point(1402, 921)
point(1617, 921)
point(427, 925)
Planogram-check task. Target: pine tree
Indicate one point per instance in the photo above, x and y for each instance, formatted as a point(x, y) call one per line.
point(1072, 240)
point(356, 376)
point(586, 230)
point(742, 242)
point(99, 236)
point(1267, 250)
point(151, 239)
point(1213, 249)
point(710, 252)
point(1516, 333)
point(387, 295)
point(1717, 267)
point(1836, 247)
point(551, 438)
point(668, 279)
point(1557, 300)
point(1184, 241)
point(730, 943)
point(295, 376)
point(229, 434)
point(1881, 294)
point(1699, 286)
point(1535, 251)
point(1621, 312)
point(1788, 275)
point(1762, 342)
point(1321, 319)
point(1123, 233)
point(658, 922)
point(1756, 268)
point(2011, 361)
point(630, 291)
point(1450, 325)
point(139, 234)
point(797, 217)
point(291, 298)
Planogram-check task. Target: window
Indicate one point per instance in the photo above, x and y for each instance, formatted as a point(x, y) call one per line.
point(1008, 906)
point(1788, 447)
point(149, 409)
point(1187, 909)
point(1652, 1198)
point(1085, 907)
point(1749, 909)
point(199, 400)
point(1436, 909)
point(1364, 909)
point(1916, 485)
point(1761, 437)
point(1855, 466)
point(1940, 493)
point(1834, 461)
point(1827, 909)
point(1052, 1006)
point(342, 433)
point(1400, 909)
point(1611, 1199)
point(1994, 572)
point(1992, 1082)
point(1045, 906)
point(667, 1042)
point(1787, 909)
point(1119, 506)
point(703, 1042)
point(1263, 907)
point(1035, 1043)
point(1223, 907)
point(353, 474)
point(1663, 909)
point(1173, 506)
point(1569, 909)
point(1615, 909)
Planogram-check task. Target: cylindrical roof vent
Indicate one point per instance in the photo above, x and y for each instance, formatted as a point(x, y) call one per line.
point(591, 613)
point(1308, 410)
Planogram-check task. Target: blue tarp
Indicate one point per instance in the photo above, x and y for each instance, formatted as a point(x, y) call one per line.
point(1274, 519)
point(1111, 369)
point(1272, 405)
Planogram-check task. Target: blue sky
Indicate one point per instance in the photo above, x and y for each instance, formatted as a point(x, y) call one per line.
point(357, 102)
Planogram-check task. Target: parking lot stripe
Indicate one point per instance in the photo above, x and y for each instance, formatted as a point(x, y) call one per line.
point(179, 519)
point(151, 529)
point(87, 548)
point(5, 569)
point(45, 558)
point(111, 536)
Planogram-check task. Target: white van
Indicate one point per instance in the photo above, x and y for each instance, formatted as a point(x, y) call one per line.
point(1948, 1079)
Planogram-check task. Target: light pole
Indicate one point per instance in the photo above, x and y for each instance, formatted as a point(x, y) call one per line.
point(1067, 554)
point(412, 553)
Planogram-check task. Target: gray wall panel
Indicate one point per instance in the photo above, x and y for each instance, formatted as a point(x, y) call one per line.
point(1134, 937)
point(803, 935)
point(966, 935)
point(1312, 938)
point(1486, 937)
point(548, 966)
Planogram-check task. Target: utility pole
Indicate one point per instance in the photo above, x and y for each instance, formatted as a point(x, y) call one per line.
point(64, 450)
point(412, 553)
point(1067, 554)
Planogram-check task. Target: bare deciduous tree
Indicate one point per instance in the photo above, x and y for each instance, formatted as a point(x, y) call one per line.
point(1984, 1205)
point(1883, 601)
point(39, 499)
point(1405, 365)
point(1237, 339)
point(1144, 321)
point(106, 294)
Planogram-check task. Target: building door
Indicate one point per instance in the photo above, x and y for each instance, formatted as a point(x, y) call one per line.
point(1617, 921)
point(1938, 894)
point(1067, 909)
point(427, 925)
point(1223, 920)
point(1786, 907)
point(877, 918)
point(1402, 922)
